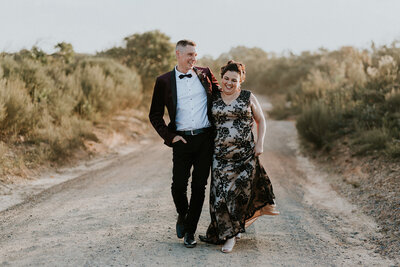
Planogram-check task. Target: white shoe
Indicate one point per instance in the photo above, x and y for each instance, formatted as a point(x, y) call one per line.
point(229, 244)
point(270, 210)
point(238, 236)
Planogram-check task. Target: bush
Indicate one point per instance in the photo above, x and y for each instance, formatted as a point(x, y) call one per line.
point(51, 101)
point(317, 124)
point(371, 140)
point(393, 101)
point(60, 140)
point(150, 53)
point(17, 113)
point(393, 149)
point(108, 85)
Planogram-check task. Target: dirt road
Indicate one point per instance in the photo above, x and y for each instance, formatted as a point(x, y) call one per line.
point(123, 215)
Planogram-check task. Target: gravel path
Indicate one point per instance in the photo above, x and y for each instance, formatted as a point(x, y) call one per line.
point(123, 215)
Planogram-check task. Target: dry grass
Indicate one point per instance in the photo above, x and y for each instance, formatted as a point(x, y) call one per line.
point(48, 106)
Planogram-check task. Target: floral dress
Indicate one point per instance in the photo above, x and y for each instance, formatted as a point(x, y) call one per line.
point(240, 187)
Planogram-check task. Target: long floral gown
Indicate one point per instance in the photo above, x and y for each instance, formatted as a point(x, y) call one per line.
point(240, 188)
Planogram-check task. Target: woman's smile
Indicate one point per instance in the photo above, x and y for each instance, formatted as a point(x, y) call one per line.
point(230, 82)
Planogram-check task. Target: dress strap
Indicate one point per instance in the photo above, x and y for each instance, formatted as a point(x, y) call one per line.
point(216, 96)
point(246, 96)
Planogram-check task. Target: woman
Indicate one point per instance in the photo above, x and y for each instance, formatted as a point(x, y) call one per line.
point(240, 188)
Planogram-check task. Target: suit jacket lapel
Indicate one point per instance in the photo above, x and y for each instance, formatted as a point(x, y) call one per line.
point(173, 89)
point(207, 86)
point(203, 79)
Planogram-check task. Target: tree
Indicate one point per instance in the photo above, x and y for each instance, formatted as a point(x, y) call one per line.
point(151, 53)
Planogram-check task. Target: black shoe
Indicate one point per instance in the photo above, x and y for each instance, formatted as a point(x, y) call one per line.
point(189, 240)
point(204, 238)
point(180, 226)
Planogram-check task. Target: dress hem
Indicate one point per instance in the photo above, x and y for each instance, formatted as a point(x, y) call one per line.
point(243, 224)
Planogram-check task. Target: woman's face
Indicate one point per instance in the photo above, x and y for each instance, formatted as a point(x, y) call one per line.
point(230, 82)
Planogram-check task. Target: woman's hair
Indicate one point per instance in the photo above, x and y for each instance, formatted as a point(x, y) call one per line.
point(236, 67)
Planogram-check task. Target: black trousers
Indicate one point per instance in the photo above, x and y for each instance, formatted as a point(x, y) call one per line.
point(197, 153)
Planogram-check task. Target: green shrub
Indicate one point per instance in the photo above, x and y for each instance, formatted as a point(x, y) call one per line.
point(393, 149)
point(50, 102)
point(97, 89)
point(107, 86)
point(17, 113)
point(150, 53)
point(393, 101)
point(371, 140)
point(59, 141)
point(317, 124)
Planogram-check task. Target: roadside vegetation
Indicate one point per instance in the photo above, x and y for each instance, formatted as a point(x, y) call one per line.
point(348, 93)
point(50, 103)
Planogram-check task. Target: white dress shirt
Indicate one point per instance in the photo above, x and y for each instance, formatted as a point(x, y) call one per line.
point(191, 107)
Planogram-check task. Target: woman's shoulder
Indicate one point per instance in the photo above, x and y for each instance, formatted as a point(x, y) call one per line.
point(249, 94)
point(246, 93)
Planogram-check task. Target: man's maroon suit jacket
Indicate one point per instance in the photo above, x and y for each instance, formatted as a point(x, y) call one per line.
point(165, 95)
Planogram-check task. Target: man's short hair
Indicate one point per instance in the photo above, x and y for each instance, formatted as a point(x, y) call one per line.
point(184, 43)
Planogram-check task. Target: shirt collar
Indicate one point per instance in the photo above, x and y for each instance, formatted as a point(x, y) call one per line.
point(177, 72)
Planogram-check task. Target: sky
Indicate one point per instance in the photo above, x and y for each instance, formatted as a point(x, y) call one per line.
point(216, 26)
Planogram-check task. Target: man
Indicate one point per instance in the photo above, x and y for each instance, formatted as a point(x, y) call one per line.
point(186, 92)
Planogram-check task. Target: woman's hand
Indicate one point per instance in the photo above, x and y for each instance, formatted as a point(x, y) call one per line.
point(258, 149)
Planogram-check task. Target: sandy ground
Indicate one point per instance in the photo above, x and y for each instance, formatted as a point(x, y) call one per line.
point(119, 212)
point(118, 136)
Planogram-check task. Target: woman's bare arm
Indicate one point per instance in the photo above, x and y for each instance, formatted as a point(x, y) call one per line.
point(261, 125)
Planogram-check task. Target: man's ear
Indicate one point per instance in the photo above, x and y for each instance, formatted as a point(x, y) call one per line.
point(176, 53)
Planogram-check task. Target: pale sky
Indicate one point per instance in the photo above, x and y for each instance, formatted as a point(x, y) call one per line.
point(215, 25)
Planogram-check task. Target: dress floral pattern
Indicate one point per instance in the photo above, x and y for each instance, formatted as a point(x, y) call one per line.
point(240, 187)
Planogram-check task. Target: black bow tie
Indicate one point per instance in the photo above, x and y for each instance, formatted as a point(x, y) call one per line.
point(185, 75)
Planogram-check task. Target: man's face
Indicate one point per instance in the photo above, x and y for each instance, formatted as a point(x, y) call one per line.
point(186, 57)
